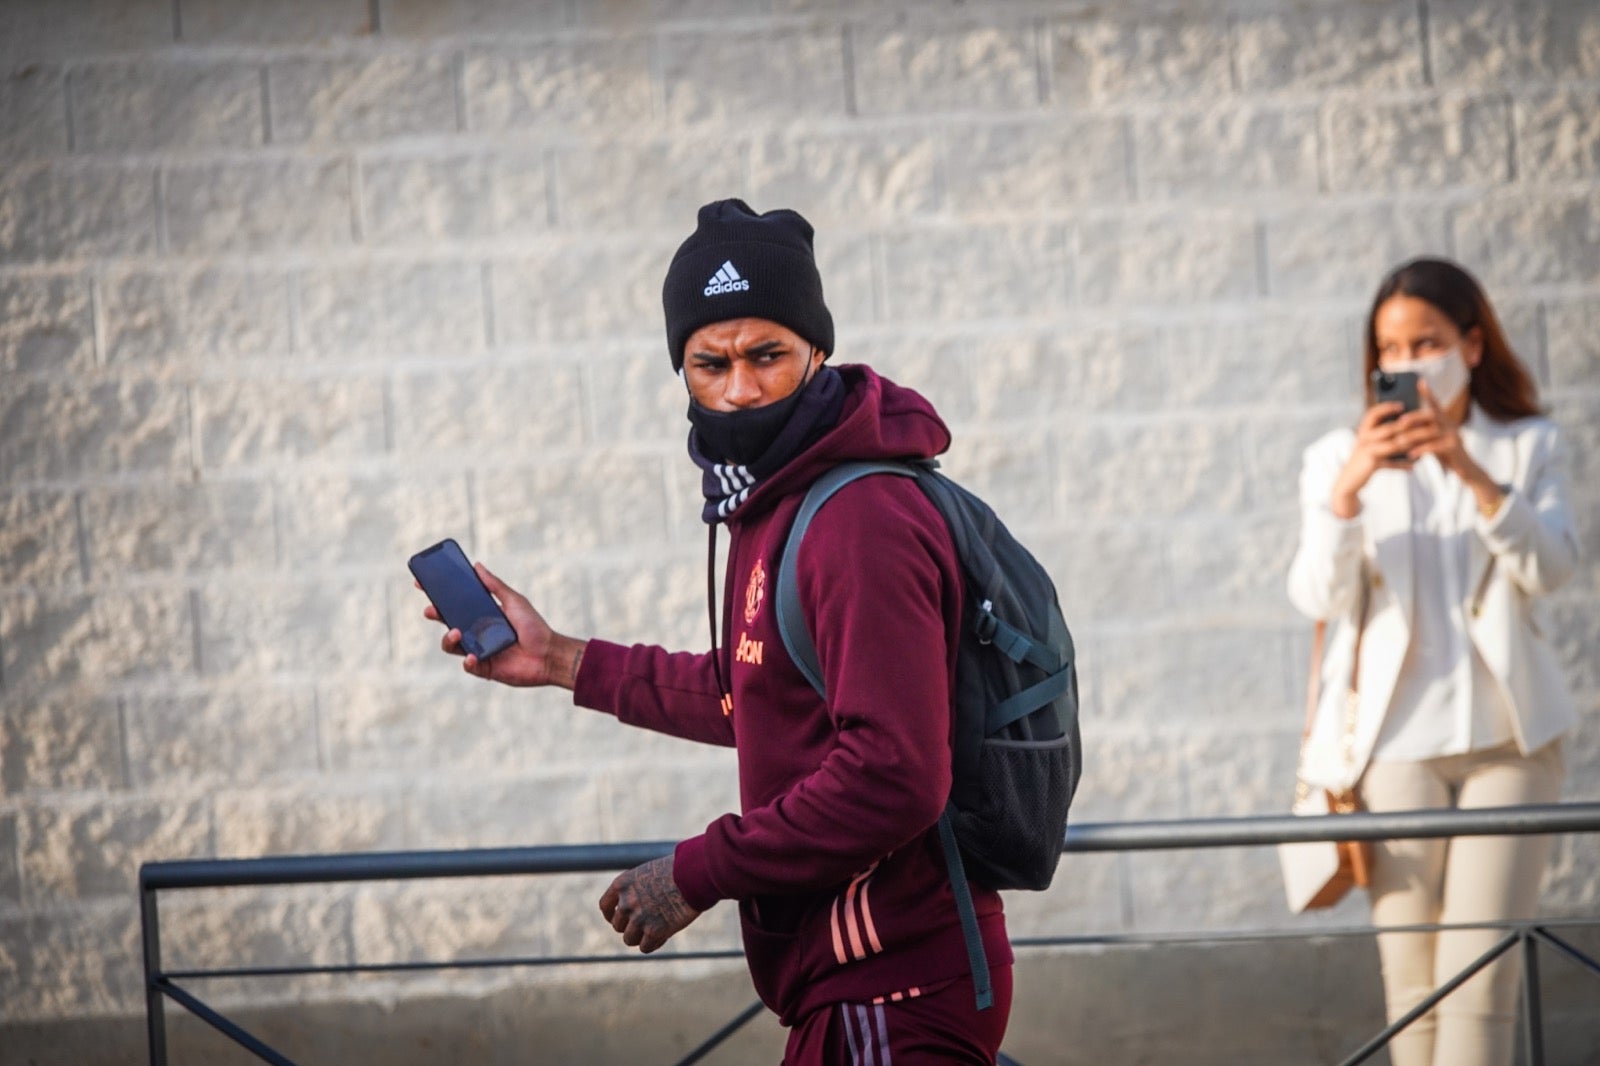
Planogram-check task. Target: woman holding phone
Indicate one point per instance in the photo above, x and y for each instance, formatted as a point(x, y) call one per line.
point(1429, 538)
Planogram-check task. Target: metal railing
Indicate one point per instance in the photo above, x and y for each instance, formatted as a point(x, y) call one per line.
point(161, 985)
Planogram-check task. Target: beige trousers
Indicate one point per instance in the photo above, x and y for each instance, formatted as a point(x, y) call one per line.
point(1447, 881)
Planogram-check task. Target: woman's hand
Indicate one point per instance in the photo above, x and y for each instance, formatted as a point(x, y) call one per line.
point(541, 656)
point(1377, 443)
point(1431, 431)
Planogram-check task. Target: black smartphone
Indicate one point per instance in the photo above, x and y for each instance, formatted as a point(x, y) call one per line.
point(1396, 385)
point(1401, 385)
point(459, 595)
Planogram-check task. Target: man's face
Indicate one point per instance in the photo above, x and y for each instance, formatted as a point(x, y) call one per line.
point(745, 362)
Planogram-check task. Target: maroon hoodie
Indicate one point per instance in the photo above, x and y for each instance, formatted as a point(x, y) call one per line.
point(835, 859)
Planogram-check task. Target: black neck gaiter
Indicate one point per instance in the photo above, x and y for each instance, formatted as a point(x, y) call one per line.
point(737, 450)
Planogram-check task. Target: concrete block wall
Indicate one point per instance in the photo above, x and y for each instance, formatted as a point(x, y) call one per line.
point(289, 291)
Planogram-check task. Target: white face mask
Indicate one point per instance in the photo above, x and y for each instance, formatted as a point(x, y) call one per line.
point(1447, 375)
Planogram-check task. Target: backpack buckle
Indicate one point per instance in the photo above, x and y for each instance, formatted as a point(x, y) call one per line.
point(986, 625)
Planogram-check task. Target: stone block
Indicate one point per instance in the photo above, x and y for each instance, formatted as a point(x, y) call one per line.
point(39, 30)
point(1515, 243)
point(289, 926)
point(247, 422)
point(1217, 888)
point(83, 848)
point(253, 627)
point(1342, 252)
point(597, 185)
point(1031, 166)
point(68, 210)
point(51, 640)
point(536, 808)
point(1572, 626)
point(442, 719)
point(845, 259)
point(991, 65)
point(842, 182)
point(426, 199)
point(1225, 152)
point(561, 508)
point(1356, 46)
point(1135, 775)
point(371, 519)
point(147, 106)
point(69, 740)
point(576, 291)
point(638, 399)
point(67, 429)
point(966, 272)
point(1558, 135)
point(259, 206)
point(1276, 445)
point(577, 85)
point(673, 799)
point(258, 22)
point(1242, 773)
point(312, 819)
point(371, 98)
point(1226, 567)
point(33, 111)
point(1579, 418)
point(181, 528)
point(1480, 42)
point(452, 920)
point(417, 308)
point(1216, 361)
point(1012, 471)
point(447, 414)
point(1103, 571)
point(429, 19)
point(1197, 676)
point(1111, 470)
point(195, 316)
point(230, 738)
point(656, 600)
point(46, 324)
point(1435, 143)
point(937, 365)
point(1572, 334)
point(73, 963)
point(1048, 374)
point(1102, 59)
point(725, 77)
point(1086, 898)
point(39, 538)
point(1200, 254)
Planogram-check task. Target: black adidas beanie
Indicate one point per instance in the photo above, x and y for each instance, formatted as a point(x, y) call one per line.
point(738, 264)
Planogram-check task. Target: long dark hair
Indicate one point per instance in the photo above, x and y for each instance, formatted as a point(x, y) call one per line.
point(1500, 385)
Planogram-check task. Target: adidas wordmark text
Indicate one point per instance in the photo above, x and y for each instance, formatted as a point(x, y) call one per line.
point(726, 279)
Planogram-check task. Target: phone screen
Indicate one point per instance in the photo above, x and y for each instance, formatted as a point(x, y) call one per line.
point(461, 599)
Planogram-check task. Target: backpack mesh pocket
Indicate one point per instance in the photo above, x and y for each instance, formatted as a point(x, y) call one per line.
point(1013, 838)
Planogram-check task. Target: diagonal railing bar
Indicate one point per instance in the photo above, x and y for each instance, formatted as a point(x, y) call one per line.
point(1372, 1046)
point(202, 1010)
point(1542, 932)
point(716, 1039)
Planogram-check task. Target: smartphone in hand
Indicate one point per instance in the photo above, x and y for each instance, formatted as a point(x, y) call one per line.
point(1390, 386)
point(461, 599)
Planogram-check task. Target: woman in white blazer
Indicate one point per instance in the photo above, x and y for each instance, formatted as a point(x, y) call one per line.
point(1435, 536)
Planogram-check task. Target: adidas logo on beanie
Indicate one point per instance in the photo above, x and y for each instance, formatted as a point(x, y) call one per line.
point(738, 264)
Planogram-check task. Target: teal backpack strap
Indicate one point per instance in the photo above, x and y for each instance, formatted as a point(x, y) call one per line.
point(791, 620)
point(803, 652)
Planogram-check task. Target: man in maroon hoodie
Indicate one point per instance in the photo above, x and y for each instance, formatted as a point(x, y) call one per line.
point(849, 921)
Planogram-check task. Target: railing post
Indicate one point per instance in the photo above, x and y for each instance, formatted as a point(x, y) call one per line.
point(155, 1020)
point(1533, 1017)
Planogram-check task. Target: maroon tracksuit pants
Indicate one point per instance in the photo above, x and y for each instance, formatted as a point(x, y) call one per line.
point(920, 1027)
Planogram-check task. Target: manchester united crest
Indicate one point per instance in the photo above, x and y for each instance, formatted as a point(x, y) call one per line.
point(755, 592)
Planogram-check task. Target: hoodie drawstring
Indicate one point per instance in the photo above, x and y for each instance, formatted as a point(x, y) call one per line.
point(711, 615)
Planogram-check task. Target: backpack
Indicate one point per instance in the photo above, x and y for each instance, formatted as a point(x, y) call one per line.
point(1016, 757)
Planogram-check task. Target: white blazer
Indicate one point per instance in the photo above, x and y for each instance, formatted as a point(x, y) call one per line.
point(1527, 550)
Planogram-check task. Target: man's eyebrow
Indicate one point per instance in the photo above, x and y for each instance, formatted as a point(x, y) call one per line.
point(764, 347)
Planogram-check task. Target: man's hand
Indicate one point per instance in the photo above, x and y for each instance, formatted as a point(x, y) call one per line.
point(645, 906)
point(541, 656)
